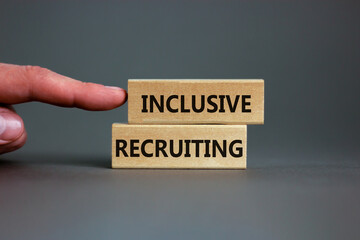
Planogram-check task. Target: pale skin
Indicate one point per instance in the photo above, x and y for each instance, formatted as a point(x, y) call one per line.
point(19, 84)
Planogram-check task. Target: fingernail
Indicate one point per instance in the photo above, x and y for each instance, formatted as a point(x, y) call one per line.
point(115, 88)
point(10, 128)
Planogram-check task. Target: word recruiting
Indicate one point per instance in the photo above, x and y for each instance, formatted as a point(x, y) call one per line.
point(179, 146)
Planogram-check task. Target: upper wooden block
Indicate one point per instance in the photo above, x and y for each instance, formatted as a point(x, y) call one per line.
point(218, 101)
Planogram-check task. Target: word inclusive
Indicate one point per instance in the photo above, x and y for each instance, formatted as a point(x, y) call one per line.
point(239, 102)
point(212, 104)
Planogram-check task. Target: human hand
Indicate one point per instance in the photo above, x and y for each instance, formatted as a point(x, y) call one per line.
point(19, 84)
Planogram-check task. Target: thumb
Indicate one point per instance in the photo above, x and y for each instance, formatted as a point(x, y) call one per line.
point(12, 131)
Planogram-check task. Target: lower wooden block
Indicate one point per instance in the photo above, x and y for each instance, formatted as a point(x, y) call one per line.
point(179, 146)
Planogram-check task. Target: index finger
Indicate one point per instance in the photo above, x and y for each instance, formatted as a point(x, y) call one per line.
point(20, 84)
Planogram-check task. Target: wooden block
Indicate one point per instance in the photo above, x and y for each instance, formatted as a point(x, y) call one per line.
point(196, 101)
point(179, 146)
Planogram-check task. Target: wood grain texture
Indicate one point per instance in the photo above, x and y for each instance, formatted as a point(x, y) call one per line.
point(225, 101)
point(158, 146)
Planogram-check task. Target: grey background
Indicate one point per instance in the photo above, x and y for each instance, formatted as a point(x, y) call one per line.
point(303, 178)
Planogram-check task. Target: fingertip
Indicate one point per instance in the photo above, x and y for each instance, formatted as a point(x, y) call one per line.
point(96, 97)
point(15, 144)
point(11, 127)
point(115, 97)
point(122, 96)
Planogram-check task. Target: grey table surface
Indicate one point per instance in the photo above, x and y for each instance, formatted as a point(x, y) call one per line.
point(81, 197)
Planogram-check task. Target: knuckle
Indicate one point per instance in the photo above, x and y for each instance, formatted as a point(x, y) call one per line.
point(36, 72)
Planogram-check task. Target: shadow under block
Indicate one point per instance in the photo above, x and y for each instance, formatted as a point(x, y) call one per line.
point(218, 101)
point(179, 146)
